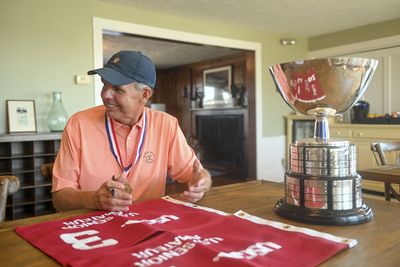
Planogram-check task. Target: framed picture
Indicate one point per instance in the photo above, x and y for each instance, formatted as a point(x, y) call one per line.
point(21, 116)
point(217, 86)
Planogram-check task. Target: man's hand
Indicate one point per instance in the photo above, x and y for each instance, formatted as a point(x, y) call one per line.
point(198, 183)
point(114, 195)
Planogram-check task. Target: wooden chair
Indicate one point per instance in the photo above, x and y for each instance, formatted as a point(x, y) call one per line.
point(381, 151)
point(8, 186)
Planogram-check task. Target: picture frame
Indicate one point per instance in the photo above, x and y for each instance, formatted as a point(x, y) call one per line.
point(21, 116)
point(217, 86)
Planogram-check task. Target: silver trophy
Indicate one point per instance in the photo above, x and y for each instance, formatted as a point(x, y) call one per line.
point(322, 185)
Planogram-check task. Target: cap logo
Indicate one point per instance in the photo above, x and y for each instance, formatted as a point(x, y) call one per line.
point(116, 59)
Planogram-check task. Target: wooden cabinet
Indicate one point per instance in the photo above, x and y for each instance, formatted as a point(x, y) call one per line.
point(21, 155)
point(362, 135)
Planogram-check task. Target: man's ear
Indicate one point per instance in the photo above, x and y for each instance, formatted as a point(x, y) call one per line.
point(147, 93)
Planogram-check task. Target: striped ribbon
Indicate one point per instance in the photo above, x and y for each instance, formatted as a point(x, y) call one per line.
point(112, 139)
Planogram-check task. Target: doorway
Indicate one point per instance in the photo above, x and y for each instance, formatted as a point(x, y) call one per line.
point(100, 25)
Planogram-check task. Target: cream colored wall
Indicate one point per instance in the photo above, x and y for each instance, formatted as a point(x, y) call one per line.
point(356, 35)
point(45, 43)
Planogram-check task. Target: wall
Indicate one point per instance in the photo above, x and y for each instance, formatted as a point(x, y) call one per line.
point(50, 41)
point(45, 43)
point(360, 34)
point(380, 41)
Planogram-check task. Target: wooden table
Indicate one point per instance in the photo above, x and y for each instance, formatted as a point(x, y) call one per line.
point(378, 240)
point(388, 174)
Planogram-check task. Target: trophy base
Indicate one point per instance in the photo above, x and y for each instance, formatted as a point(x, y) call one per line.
point(359, 215)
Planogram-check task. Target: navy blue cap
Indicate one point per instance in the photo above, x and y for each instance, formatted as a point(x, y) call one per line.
point(127, 67)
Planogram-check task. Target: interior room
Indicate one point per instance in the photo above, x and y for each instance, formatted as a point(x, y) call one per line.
point(215, 73)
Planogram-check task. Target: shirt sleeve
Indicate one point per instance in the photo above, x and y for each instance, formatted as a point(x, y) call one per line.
point(66, 171)
point(181, 156)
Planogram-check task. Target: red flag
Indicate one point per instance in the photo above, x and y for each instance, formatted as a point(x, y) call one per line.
point(162, 233)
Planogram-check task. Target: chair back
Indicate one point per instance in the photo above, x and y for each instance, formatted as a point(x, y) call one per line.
point(382, 149)
point(8, 186)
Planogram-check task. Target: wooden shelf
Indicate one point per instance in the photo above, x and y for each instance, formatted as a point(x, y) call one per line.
point(16, 171)
point(21, 155)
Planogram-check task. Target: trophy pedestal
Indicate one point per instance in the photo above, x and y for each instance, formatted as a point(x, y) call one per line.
point(322, 185)
point(324, 217)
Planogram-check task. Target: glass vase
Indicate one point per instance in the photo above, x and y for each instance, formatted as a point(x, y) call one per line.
point(57, 118)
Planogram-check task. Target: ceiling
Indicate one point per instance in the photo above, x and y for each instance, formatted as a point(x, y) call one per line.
point(288, 18)
point(165, 54)
point(303, 18)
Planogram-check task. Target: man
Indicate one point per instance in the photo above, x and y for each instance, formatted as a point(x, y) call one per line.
point(116, 154)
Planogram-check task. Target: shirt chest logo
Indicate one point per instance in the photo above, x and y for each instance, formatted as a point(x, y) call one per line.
point(149, 157)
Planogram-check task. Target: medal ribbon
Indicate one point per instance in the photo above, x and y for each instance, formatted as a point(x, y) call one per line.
point(112, 139)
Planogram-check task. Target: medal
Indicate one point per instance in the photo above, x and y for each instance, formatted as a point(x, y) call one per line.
point(112, 139)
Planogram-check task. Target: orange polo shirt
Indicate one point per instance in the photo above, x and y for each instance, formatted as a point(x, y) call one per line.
point(85, 160)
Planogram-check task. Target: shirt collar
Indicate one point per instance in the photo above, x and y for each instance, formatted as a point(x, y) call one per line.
point(118, 125)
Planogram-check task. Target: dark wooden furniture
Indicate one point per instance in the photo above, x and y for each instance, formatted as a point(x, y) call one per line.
point(378, 240)
point(22, 155)
point(388, 174)
point(173, 82)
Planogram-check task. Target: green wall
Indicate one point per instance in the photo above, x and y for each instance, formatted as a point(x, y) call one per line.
point(45, 43)
point(360, 34)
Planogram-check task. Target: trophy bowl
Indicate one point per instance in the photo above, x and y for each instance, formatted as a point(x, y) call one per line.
point(333, 83)
point(322, 185)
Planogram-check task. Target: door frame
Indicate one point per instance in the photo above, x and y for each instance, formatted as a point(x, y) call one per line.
point(100, 24)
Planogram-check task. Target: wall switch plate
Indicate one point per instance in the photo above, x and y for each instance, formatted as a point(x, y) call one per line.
point(82, 79)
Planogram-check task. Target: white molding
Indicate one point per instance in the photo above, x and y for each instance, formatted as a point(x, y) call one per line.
point(387, 84)
point(272, 158)
point(366, 46)
point(100, 24)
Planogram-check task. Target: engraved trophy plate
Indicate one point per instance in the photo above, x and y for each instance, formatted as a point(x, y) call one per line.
point(321, 183)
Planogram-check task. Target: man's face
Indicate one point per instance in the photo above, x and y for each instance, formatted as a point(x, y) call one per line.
point(122, 102)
